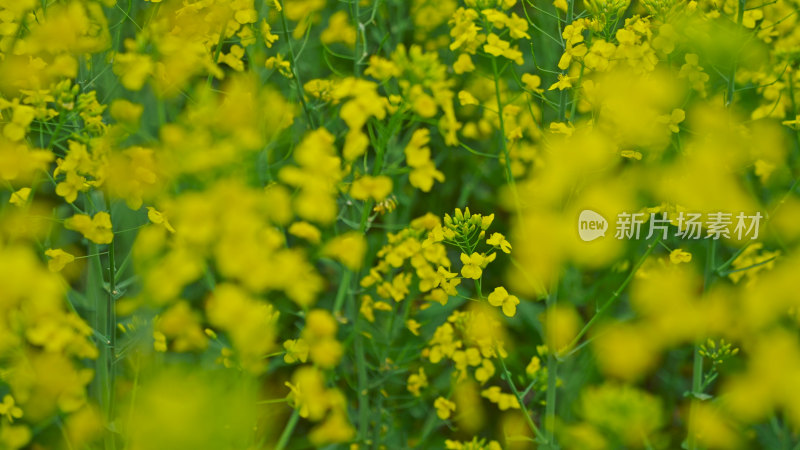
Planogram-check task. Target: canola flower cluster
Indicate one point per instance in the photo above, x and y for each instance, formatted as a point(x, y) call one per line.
point(246, 224)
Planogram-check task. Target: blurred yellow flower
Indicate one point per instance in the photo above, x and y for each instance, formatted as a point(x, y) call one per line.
point(508, 303)
point(534, 366)
point(474, 264)
point(498, 240)
point(347, 248)
point(97, 229)
point(9, 409)
point(564, 82)
point(678, 256)
point(366, 187)
point(20, 197)
point(296, 351)
point(158, 218)
point(305, 230)
point(58, 259)
point(444, 407)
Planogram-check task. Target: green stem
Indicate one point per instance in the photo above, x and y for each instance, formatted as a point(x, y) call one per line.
point(295, 75)
point(732, 76)
point(271, 402)
point(376, 430)
point(53, 137)
point(111, 333)
point(120, 270)
point(552, 372)
point(728, 272)
point(522, 406)
point(118, 34)
point(361, 366)
point(348, 274)
point(103, 385)
point(709, 272)
point(697, 365)
point(794, 114)
point(111, 310)
point(134, 391)
point(287, 431)
point(697, 372)
point(575, 91)
point(730, 261)
point(562, 101)
point(356, 56)
point(363, 392)
point(152, 16)
point(217, 52)
point(340, 293)
point(427, 429)
point(504, 144)
point(64, 433)
point(615, 294)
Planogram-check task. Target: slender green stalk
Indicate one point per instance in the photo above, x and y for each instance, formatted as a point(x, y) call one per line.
point(103, 384)
point(562, 101)
point(54, 137)
point(575, 92)
point(111, 311)
point(347, 276)
point(732, 76)
point(152, 16)
point(64, 433)
point(217, 52)
point(697, 365)
point(103, 319)
point(552, 372)
point(295, 74)
point(427, 428)
point(376, 431)
point(525, 413)
point(106, 324)
point(363, 392)
point(342, 291)
point(120, 270)
point(709, 272)
point(753, 266)
point(794, 114)
point(134, 391)
point(356, 56)
point(614, 295)
point(118, 34)
point(697, 372)
point(271, 402)
point(288, 430)
point(730, 261)
point(361, 366)
point(504, 144)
